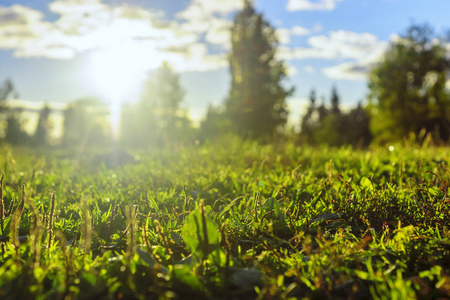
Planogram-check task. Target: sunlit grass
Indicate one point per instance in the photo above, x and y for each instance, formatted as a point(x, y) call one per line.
point(235, 219)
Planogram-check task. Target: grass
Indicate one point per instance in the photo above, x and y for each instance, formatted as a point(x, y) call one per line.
point(234, 220)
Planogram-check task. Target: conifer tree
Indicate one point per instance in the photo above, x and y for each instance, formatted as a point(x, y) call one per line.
point(256, 101)
point(335, 101)
point(307, 124)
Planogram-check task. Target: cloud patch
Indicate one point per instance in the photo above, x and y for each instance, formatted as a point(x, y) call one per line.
point(359, 50)
point(349, 70)
point(91, 25)
point(20, 26)
point(285, 34)
point(326, 5)
point(209, 17)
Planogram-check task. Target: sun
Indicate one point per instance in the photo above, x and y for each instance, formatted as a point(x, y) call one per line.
point(117, 73)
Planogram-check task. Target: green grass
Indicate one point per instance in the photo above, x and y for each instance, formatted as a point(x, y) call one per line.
point(234, 220)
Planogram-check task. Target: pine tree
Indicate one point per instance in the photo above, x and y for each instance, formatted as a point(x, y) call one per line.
point(256, 102)
point(335, 101)
point(307, 125)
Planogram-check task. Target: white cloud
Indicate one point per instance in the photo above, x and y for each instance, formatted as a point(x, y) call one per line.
point(207, 17)
point(362, 49)
point(349, 71)
point(360, 67)
point(338, 45)
point(219, 32)
point(310, 69)
point(317, 27)
point(284, 36)
point(90, 25)
point(298, 30)
point(197, 59)
point(199, 9)
point(20, 26)
point(294, 5)
point(291, 70)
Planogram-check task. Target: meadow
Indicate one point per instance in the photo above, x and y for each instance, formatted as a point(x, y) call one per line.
point(230, 220)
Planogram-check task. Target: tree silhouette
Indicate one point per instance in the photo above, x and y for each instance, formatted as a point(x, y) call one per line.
point(256, 101)
point(41, 135)
point(83, 126)
point(14, 133)
point(407, 88)
point(322, 125)
point(6, 89)
point(308, 124)
point(157, 118)
point(335, 101)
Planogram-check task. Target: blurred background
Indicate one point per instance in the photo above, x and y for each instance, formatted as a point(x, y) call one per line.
point(92, 73)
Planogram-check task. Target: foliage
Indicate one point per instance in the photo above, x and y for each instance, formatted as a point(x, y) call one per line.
point(234, 220)
point(14, 133)
point(331, 126)
point(256, 102)
point(158, 117)
point(41, 135)
point(6, 89)
point(407, 89)
point(13, 130)
point(85, 124)
point(308, 124)
point(335, 101)
point(215, 124)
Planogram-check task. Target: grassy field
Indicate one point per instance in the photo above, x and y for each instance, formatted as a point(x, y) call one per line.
point(235, 220)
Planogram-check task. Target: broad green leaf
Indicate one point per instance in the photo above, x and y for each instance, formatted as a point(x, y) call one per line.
point(366, 183)
point(88, 280)
point(185, 275)
point(146, 257)
point(201, 240)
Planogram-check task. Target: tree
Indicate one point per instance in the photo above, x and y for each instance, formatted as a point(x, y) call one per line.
point(356, 127)
point(6, 89)
point(308, 124)
point(331, 126)
point(322, 110)
point(41, 135)
point(331, 129)
point(14, 133)
point(84, 124)
point(335, 101)
point(157, 118)
point(256, 101)
point(407, 88)
point(214, 125)
point(162, 91)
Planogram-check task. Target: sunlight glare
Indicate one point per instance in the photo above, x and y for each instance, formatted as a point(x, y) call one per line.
point(117, 73)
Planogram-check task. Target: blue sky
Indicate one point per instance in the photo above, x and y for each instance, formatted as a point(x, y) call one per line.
point(60, 51)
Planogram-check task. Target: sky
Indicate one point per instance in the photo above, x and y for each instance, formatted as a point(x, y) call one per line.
point(63, 50)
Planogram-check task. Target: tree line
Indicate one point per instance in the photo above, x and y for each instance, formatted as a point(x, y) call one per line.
point(409, 97)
